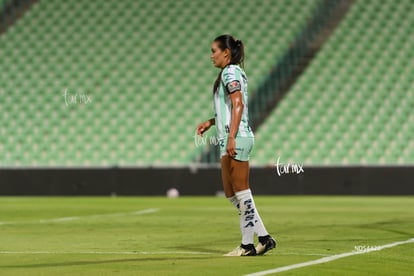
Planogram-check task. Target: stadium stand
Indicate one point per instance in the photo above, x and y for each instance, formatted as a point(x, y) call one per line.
point(108, 83)
point(354, 104)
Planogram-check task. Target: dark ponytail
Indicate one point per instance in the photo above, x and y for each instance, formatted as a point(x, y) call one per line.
point(236, 48)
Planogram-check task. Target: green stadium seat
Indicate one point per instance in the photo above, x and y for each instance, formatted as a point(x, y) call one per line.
point(141, 71)
point(354, 80)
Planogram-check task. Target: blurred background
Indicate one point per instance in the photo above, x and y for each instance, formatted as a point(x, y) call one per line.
point(103, 97)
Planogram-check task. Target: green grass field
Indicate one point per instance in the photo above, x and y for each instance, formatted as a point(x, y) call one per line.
point(189, 235)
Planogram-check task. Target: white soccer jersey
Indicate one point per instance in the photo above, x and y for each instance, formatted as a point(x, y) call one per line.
point(233, 79)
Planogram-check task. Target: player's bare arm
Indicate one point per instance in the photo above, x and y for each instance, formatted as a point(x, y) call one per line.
point(203, 127)
point(236, 114)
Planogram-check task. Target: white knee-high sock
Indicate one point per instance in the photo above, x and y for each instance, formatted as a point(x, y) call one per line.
point(234, 201)
point(247, 216)
point(250, 217)
point(259, 227)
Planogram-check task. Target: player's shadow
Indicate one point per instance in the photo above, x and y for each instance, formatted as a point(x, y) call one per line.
point(390, 226)
point(196, 249)
point(201, 247)
point(81, 263)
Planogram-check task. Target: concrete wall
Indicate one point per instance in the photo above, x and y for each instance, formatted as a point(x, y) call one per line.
point(205, 181)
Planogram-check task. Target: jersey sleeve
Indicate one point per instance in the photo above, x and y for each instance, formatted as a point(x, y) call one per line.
point(231, 78)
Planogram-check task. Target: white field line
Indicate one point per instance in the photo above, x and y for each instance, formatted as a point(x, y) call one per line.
point(104, 253)
point(65, 219)
point(302, 254)
point(329, 258)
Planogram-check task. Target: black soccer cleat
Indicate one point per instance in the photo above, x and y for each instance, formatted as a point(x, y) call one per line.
point(265, 244)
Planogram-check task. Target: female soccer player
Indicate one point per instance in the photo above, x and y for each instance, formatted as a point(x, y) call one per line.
point(236, 141)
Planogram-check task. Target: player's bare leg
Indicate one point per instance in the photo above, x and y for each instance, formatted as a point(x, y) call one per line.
point(239, 173)
point(227, 181)
point(250, 221)
point(228, 173)
point(226, 176)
